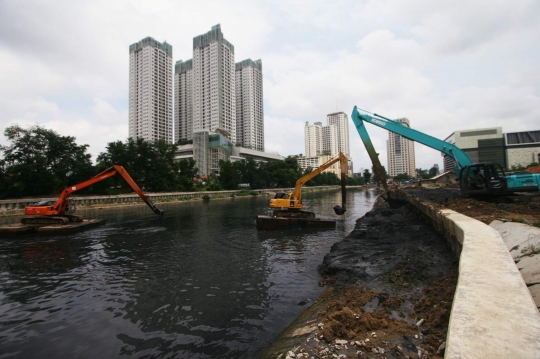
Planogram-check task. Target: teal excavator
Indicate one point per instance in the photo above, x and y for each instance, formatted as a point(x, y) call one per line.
point(474, 178)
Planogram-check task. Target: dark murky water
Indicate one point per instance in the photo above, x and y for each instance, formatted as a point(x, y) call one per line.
point(200, 283)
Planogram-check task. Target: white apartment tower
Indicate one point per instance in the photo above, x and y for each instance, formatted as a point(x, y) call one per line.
point(313, 138)
point(249, 105)
point(214, 101)
point(150, 90)
point(321, 140)
point(183, 100)
point(341, 121)
point(330, 140)
point(400, 153)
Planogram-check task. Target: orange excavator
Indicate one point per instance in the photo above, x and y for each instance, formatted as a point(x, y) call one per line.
point(289, 205)
point(61, 211)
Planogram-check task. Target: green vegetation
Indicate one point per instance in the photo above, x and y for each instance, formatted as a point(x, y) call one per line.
point(40, 162)
point(366, 175)
point(518, 220)
point(536, 224)
point(151, 165)
point(275, 174)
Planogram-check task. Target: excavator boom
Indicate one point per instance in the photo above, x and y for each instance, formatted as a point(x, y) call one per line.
point(60, 208)
point(293, 201)
point(474, 178)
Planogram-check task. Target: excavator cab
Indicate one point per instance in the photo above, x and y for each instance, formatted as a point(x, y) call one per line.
point(482, 178)
point(281, 195)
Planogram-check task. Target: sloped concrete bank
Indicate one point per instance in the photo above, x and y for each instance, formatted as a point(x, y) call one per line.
point(493, 313)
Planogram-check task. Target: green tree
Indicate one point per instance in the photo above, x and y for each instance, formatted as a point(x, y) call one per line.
point(433, 171)
point(367, 175)
point(229, 175)
point(42, 162)
point(151, 165)
point(402, 177)
point(424, 174)
point(355, 181)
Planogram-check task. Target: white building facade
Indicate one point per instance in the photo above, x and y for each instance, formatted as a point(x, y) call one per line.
point(150, 91)
point(341, 121)
point(401, 157)
point(214, 101)
point(183, 100)
point(313, 139)
point(330, 140)
point(249, 105)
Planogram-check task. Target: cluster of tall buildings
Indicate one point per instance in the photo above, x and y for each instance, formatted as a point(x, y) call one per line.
point(212, 93)
point(324, 142)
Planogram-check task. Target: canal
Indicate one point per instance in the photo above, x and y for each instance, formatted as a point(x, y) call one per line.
point(201, 282)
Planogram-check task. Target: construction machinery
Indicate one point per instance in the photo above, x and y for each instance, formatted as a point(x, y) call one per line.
point(289, 205)
point(61, 212)
point(474, 178)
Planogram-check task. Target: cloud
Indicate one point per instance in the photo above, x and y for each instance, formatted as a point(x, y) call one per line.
point(446, 66)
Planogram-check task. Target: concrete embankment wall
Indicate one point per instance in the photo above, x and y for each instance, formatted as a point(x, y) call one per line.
point(18, 204)
point(493, 313)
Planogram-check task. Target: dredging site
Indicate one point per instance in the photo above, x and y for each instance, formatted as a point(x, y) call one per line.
point(410, 281)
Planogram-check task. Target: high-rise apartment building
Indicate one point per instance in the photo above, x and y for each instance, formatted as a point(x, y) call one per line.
point(183, 100)
point(341, 121)
point(313, 139)
point(214, 101)
point(400, 153)
point(249, 105)
point(330, 140)
point(150, 90)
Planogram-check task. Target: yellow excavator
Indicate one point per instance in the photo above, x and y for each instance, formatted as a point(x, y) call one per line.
point(289, 205)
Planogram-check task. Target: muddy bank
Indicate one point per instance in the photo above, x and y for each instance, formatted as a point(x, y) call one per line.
point(517, 207)
point(392, 284)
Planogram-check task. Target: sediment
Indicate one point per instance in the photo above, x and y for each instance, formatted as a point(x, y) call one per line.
point(391, 284)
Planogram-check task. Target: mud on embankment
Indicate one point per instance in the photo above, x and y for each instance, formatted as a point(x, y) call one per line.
point(390, 273)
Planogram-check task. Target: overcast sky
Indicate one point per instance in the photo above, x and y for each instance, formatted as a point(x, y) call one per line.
point(445, 65)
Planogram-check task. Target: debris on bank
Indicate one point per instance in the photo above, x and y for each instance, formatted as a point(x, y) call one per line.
point(393, 282)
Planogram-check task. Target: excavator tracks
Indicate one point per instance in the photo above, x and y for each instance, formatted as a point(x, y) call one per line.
point(45, 221)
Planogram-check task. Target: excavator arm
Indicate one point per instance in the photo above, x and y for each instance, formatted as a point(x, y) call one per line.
point(461, 159)
point(297, 194)
point(59, 208)
point(291, 204)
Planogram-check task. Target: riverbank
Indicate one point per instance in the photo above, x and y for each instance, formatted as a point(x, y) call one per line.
point(15, 207)
point(391, 285)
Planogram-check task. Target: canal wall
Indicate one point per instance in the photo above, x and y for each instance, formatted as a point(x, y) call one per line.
point(493, 313)
point(16, 206)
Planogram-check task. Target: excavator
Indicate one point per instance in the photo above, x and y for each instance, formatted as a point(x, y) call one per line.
point(474, 178)
point(289, 205)
point(61, 212)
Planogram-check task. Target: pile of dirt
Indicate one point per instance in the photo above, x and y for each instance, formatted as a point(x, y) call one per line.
point(519, 207)
point(393, 281)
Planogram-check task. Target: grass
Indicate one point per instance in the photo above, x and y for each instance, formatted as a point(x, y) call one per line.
point(536, 224)
point(518, 220)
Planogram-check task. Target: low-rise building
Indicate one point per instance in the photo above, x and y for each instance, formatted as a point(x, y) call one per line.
point(522, 148)
point(208, 148)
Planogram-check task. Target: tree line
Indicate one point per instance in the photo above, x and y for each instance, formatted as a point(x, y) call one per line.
point(40, 162)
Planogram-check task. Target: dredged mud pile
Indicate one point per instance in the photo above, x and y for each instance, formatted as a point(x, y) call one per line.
point(393, 282)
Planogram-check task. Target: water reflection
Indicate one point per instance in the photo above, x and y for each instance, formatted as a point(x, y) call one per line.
point(201, 282)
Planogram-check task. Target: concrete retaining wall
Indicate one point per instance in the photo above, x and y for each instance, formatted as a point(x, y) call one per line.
point(493, 313)
point(18, 204)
